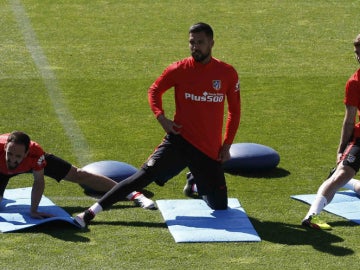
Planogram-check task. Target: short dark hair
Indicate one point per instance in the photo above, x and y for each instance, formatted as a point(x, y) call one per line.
point(19, 137)
point(202, 27)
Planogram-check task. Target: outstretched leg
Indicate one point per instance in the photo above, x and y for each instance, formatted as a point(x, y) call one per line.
point(103, 184)
point(326, 193)
point(96, 182)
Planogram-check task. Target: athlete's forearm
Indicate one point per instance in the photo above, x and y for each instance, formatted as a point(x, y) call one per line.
point(36, 194)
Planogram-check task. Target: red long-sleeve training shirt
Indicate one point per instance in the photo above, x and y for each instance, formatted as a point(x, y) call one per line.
point(200, 93)
point(352, 97)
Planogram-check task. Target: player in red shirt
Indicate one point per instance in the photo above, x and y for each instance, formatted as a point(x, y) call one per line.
point(18, 154)
point(194, 138)
point(348, 156)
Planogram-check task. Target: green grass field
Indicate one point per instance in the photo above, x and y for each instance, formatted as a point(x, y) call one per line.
point(77, 83)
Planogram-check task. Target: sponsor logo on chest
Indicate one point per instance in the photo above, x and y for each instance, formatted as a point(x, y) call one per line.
point(206, 95)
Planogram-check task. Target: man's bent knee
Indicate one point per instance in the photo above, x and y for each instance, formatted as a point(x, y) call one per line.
point(216, 202)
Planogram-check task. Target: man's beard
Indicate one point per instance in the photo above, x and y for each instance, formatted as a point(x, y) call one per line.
point(199, 57)
point(12, 167)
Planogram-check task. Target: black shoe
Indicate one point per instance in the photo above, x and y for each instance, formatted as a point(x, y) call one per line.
point(84, 218)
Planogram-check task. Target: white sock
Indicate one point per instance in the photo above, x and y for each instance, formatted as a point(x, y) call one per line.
point(350, 185)
point(317, 206)
point(96, 208)
point(132, 195)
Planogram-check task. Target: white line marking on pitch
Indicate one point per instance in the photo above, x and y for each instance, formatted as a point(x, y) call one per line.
point(73, 131)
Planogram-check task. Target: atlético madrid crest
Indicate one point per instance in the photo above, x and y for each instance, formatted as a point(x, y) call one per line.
point(216, 84)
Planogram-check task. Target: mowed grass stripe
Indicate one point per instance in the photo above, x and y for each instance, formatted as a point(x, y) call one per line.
point(72, 129)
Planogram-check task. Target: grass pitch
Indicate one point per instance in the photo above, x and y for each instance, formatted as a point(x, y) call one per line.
point(293, 59)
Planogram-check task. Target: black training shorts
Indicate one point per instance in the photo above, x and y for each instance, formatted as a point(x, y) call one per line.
point(351, 156)
point(56, 167)
point(175, 154)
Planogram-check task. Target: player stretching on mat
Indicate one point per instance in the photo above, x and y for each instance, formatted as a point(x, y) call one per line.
point(18, 154)
point(348, 156)
point(194, 137)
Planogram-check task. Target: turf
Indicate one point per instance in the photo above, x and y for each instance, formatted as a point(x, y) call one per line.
point(293, 58)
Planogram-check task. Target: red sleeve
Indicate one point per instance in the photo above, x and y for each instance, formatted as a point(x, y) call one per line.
point(158, 88)
point(36, 156)
point(352, 93)
point(234, 110)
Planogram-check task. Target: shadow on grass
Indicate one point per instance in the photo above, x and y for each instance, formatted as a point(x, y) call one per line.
point(274, 173)
point(131, 224)
point(60, 230)
point(67, 232)
point(290, 234)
